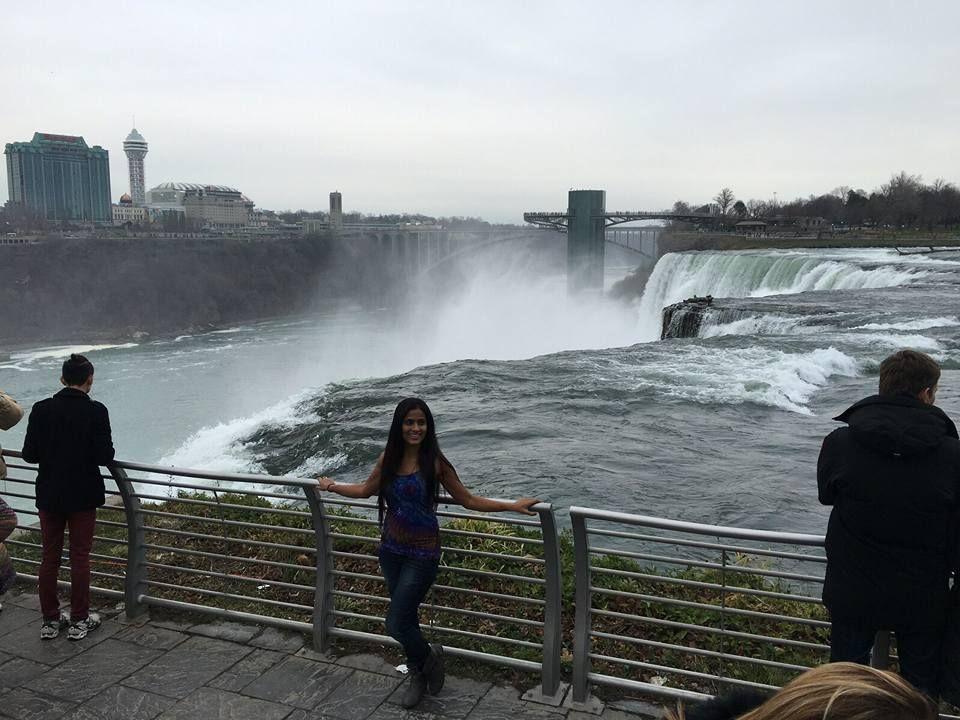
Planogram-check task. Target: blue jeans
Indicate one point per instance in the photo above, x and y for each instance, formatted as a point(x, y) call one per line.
point(408, 580)
point(918, 651)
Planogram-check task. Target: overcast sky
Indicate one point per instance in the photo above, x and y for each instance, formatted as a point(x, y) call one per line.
point(492, 108)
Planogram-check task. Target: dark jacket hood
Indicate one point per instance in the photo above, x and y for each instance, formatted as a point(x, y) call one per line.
point(898, 425)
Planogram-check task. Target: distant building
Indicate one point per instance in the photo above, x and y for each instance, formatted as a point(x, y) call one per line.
point(336, 209)
point(136, 149)
point(126, 213)
point(216, 207)
point(60, 177)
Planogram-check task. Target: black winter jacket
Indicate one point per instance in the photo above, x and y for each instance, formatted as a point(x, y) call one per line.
point(728, 706)
point(893, 479)
point(69, 436)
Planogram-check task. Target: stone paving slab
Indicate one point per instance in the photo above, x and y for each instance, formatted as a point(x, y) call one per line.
point(279, 640)
point(18, 671)
point(247, 670)
point(504, 703)
point(357, 697)
point(458, 697)
point(232, 631)
point(298, 682)
point(14, 617)
point(151, 637)
point(187, 667)
point(25, 642)
point(213, 704)
point(369, 663)
point(92, 671)
point(168, 670)
point(122, 703)
point(22, 704)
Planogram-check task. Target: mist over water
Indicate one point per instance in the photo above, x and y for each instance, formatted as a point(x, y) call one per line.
point(572, 399)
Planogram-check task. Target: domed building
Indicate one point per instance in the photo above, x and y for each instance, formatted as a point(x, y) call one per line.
point(216, 207)
point(126, 213)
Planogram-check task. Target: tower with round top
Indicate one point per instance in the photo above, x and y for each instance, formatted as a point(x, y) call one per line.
point(136, 149)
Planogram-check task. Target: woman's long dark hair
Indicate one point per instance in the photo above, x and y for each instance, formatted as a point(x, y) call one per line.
point(428, 458)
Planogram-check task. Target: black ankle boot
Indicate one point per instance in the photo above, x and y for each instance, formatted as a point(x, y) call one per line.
point(433, 669)
point(415, 689)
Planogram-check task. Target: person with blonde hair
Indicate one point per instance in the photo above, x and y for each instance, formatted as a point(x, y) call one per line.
point(836, 691)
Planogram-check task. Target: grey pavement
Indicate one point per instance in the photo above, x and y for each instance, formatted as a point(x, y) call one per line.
point(212, 670)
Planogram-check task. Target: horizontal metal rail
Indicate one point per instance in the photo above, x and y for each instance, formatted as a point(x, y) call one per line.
point(709, 583)
point(189, 534)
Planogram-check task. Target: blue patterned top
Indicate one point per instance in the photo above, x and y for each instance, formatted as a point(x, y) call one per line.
point(410, 527)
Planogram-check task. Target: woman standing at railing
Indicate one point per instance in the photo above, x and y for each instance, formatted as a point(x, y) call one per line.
point(407, 480)
point(10, 414)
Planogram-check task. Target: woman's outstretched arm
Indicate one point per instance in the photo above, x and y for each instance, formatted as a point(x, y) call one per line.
point(369, 487)
point(451, 481)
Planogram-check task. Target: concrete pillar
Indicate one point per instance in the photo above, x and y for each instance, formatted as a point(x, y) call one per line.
point(585, 240)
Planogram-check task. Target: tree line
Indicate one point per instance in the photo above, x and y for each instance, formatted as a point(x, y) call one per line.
point(905, 202)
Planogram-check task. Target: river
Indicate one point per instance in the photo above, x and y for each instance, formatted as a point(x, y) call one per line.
point(571, 400)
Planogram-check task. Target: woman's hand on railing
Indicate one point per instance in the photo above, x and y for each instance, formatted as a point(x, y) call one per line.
point(523, 505)
point(325, 483)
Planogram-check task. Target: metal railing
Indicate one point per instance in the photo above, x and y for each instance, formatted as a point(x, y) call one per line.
point(694, 608)
point(270, 550)
point(662, 607)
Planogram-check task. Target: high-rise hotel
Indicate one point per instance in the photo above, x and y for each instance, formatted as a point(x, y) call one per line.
point(60, 177)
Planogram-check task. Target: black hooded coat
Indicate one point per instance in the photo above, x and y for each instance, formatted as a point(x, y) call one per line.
point(893, 479)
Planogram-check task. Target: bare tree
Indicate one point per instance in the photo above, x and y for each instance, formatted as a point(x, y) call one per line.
point(724, 199)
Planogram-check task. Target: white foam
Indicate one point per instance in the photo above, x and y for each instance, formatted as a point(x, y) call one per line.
point(755, 325)
point(895, 341)
point(733, 376)
point(218, 448)
point(19, 359)
point(925, 324)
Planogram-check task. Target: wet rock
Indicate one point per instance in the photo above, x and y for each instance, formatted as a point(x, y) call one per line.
point(684, 319)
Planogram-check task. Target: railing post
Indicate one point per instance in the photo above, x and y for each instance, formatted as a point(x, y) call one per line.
point(582, 614)
point(880, 655)
point(134, 585)
point(551, 690)
point(323, 591)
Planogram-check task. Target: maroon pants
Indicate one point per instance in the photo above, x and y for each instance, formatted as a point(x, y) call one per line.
point(52, 526)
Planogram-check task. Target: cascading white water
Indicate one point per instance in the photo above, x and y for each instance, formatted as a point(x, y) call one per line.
point(756, 274)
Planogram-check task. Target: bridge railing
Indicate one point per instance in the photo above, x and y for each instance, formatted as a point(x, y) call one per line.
point(269, 550)
point(685, 610)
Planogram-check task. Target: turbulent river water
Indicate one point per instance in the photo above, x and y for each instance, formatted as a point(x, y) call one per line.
point(571, 400)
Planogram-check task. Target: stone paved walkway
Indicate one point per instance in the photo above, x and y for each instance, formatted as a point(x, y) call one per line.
point(214, 670)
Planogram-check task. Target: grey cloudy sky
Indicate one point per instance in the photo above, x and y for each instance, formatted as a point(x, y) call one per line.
point(492, 108)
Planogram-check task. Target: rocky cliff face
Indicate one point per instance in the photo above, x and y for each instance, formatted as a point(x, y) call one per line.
point(685, 318)
point(65, 289)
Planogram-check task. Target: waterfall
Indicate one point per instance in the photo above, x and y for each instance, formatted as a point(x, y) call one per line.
point(755, 274)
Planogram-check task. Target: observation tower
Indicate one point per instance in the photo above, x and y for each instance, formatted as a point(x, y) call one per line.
point(136, 149)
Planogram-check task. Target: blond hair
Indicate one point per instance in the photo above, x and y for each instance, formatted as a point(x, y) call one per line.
point(841, 691)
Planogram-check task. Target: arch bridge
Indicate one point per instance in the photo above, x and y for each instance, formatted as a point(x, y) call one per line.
point(589, 227)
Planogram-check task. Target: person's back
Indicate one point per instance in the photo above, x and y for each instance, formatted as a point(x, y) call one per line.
point(69, 436)
point(893, 478)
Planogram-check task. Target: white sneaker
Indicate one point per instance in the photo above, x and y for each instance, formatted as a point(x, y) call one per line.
point(50, 629)
point(79, 629)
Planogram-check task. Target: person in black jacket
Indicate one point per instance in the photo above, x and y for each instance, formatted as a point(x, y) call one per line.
point(893, 478)
point(69, 436)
